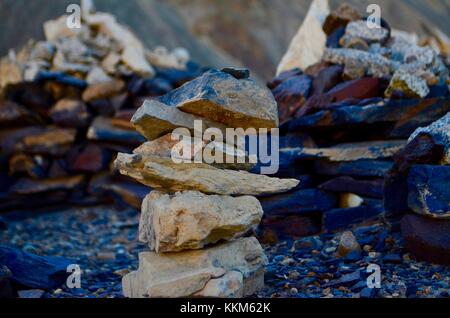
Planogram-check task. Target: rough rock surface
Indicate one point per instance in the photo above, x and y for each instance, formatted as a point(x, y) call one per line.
point(221, 97)
point(155, 119)
point(429, 190)
point(348, 244)
point(308, 44)
point(164, 174)
point(426, 238)
point(194, 272)
point(192, 220)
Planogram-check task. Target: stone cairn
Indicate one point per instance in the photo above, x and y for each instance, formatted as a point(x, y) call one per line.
point(65, 107)
point(417, 189)
point(349, 97)
point(198, 219)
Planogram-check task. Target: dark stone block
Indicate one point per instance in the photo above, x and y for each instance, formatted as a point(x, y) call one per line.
point(238, 73)
point(338, 219)
point(299, 202)
point(427, 239)
point(357, 168)
point(283, 76)
point(274, 228)
point(429, 190)
point(370, 188)
point(34, 271)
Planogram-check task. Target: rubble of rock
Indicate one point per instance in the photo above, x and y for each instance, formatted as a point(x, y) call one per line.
point(417, 189)
point(343, 118)
point(198, 220)
point(65, 110)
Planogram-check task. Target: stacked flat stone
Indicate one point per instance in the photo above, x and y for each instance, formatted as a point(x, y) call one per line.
point(349, 97)
point(198, 220)
point(418, 189)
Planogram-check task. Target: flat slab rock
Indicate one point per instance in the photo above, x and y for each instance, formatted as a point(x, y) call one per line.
point(191, 149)
point(155, 119)
point(192, 220)
point(163, 174)
point(220, 97)
point(234, 269)
point(351, 151)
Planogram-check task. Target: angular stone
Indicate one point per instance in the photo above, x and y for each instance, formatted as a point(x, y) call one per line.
point(70, 113)
point(192, 220)
point(238, 73)
point(229, 285)
point(222, 98)
point(275, 229)
point(154, 119)
point(283, 76)
point(376, 64)
point(427, 238)
point(164, 174)
point(440, 134)
point(348, 244)
point(326, 79)
point(410, 85)
point(103, 90)
point(357, 168)
point(429, 190)
point(345, 184)
point(190, 149)
point(308, 44)
point(298, 202)
point(291, 95)
point(362, 88)
point(44, 140)
point(340, 17)
point(351, 151)
point(88, 158)
point(360, 29)
point(337, 219)
point(102, 129)
point(407, 115)
point(189, 273)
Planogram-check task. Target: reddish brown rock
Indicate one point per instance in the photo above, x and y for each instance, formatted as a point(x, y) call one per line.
point(363, 88)
point(290, 95)
point(274, 229)
point(90, 158)
point(340, 17)
point(427, 239)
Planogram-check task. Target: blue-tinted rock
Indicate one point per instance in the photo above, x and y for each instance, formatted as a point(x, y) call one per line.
point(358, 168)
point(35, 271)
point(238, 73)
point(345, 184)
point(103, 130)
point(179, 77)
point(406, 114)
point(299, 202)
point(429, 190)
point(343, 218)
point(393, 259)
point(62, 78)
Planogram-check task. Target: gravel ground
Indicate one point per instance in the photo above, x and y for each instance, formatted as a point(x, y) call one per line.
point(103, 241)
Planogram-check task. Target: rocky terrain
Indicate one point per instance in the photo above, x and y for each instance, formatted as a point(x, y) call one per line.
point(361, 184)
point(262, 29)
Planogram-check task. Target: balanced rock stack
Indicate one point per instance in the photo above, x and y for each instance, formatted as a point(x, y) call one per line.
point(65, 106)
point(419, 186)
point(349, 97)
point(198, 220)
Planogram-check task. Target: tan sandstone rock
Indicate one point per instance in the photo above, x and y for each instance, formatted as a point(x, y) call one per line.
point(164, 174)
point(192, 220)
point(308, 45)
point(199, 273)
point(154, 119)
